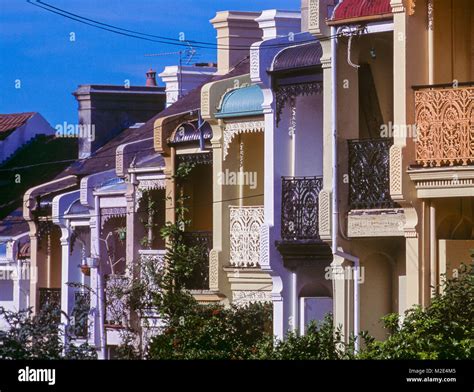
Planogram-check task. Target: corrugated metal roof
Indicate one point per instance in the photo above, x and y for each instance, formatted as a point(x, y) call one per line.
point(305, 55)
point(360, 9)
point(244, 101)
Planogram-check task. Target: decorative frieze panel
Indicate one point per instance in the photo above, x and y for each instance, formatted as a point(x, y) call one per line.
point(445, 126)
point(213, 270)
point(245, 223)
point(264, 245)
point(324, 214)
point(376, 223)
point(198, 159)
point(245, 297)
point(234, 128)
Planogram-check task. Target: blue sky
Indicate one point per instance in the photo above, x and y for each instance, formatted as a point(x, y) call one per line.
point(35, 46)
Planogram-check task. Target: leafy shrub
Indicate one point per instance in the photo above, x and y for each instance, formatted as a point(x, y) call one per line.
point(443, 330)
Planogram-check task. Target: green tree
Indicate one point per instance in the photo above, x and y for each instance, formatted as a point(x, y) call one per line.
point(443, 330)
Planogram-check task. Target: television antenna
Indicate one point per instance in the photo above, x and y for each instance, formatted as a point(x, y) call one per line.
point(185, 56)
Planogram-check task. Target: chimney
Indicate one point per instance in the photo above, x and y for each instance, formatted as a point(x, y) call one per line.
point(234, 29)
point(275, 23)
point(151, 78)
point(107, 110)
point(180, 80)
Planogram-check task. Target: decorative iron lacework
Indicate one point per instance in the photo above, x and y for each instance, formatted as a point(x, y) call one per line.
point(111, 212)
point(287, 92)
point(235, 128)
point(198, 159)
point(445, 126)
point(299, 208)
point(245, 223)
point(369, 174)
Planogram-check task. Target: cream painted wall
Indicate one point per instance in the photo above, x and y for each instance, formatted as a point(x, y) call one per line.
point(375, 293)
point(453, 35)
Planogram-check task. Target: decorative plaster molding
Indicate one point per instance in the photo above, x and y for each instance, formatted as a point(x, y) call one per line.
point(313, 16)
point(205, 103)
point(397, 6)
point(213, 270)
point(324, 214)
point(264, 245)
point(376, 223)
point(254, 62)
point(244, 297)
point(234, 128)
point(396, 171)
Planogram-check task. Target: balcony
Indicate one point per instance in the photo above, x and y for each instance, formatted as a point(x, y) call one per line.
point(445, 125)
point(245, 225)
point(369, 175)
point(299, 208)
point(300, 242)
point(444, 151)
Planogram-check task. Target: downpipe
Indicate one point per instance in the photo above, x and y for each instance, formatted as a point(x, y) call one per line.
point(334, 199)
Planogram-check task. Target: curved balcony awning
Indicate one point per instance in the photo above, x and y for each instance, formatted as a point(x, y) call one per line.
point(355, 11)
point(76, 208)
point(241, 102)
point(297, 57)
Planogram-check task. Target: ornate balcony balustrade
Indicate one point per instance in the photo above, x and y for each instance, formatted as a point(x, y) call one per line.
point(199, 279)
point(299, 208)
point(80, 314)
point(369, 174)
point(445, 125)
point(50, 302)
point(245, 225)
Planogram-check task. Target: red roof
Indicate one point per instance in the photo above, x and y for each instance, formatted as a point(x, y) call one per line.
point(9, 122)
point(360, 9)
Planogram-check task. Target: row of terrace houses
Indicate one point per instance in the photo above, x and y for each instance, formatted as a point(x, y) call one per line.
point(310, 188)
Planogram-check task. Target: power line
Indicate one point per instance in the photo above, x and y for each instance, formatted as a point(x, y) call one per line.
point(160, 39)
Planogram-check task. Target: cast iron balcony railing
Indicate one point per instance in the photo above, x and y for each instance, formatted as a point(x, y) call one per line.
point(80, 314)
point(50, 302)
point(445, 125)
point(245, 223)
point(202, 240)
point(299, 208)
point(369, 174)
